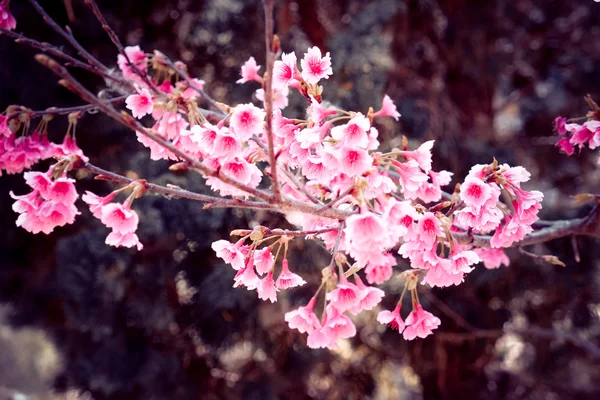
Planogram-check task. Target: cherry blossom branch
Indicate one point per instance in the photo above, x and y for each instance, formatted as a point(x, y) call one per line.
point(281, 232)
point(172, 192)
point(68, 35)
point(68, 110)
point(588, 226)
point(268, 6)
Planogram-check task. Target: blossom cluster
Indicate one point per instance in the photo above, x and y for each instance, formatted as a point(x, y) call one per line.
point(577, 135)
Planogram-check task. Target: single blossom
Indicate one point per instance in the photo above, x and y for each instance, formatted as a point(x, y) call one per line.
point(303, 319)
point(288, 279)
point(285, 70)
point(247, 120)
point(314, 66)
point(420, 323)
point(120, 218)
point(266, 288)
point(388, 109)
point(129, 239)
point(249, 72)
point(392, 318)
point(141, 103)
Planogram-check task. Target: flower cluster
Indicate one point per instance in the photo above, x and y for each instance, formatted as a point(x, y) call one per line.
point(50, 204)
point(117, 216)
point(576, 135)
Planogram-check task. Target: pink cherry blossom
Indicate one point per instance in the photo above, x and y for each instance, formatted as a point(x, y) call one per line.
point(421, 155)
point(565, 145)
point(280, 97)
point(492, 258)
point(226, 145)
point(317, 112)
point(314, 66)
point(369, 296)
point(249, 72)
point(319, 338)
point(96, 202)
point(120, 218)
point(475, 193)
point(429, 229)
point(263, 260)
point(345, 295)
point(7, 20)
point(234, 254)
point(303, 319)
point(392, 318)
point(247, 277)
point(140, 104)
point(354, 161)
point(382, 271)
point(266, 288)
point(337, 325)
point(285, 70)
point(247, 120)
point(288, 279)
point(420, 323)
point(129, 239)
point(354, 133)
point(388, 109)
point(138, 58)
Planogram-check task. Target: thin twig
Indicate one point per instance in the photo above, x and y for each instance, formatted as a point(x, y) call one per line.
point(170, 192)
point(68, 110)
point(115, 39)
point(55, 51)
point(267, 232)
point(268, 5)
point(68, 37)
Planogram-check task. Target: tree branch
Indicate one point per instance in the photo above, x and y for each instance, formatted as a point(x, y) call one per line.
point(268, 5)
point(588, 226)
point(171, 192)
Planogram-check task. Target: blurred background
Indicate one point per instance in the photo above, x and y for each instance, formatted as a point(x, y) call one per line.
point(484, 78)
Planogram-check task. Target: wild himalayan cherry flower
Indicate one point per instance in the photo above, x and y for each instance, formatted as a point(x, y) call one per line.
point(314, 66)
point(234, 254)
point(367, 237)
point(475, 193)
point(263, 260)
point(492, 258)
point(266, 288)
point(379, 272)
point(317, 112)
point(7, 21)
point(354, 133)
point(420, 323)
point(285, 70)
point(303, 319)
point(337, 325)
point(247, 120)
point(429, 229)
point(345, 295)
point(388, 109)
point(280, 97)
point(369, 296)
point(51, 203)
point(96, 203)
point(422, 155)
point(249, 72)
point(392, 318)
point(247, 276)
point(140, 104)
point(119, 217)
point(288, 279)
point(138, 58)
point(354, 161)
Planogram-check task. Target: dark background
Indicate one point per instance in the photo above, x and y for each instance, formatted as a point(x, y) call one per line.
point(483, 78)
